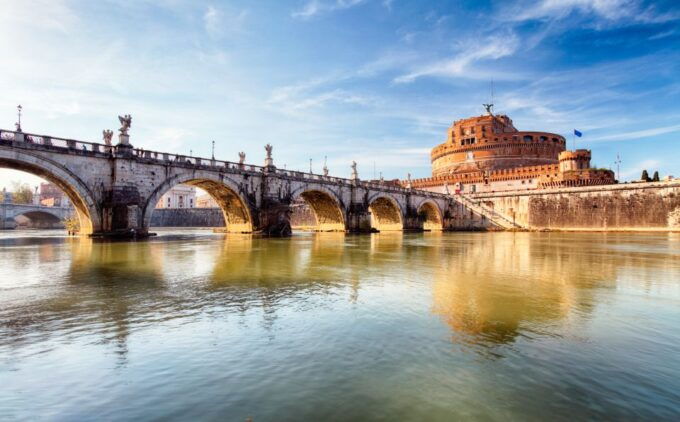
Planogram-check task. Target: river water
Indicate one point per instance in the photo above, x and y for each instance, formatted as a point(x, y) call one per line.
point(430, 326)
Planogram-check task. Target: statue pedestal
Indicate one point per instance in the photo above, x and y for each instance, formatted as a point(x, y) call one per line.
point(269, 162)
point(123, 139)
point(124, 149)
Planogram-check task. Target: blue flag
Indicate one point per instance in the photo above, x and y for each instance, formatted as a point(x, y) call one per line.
point(577, 133)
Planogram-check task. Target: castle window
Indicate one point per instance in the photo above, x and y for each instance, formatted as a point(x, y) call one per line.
point(544, 138)
point(528, 138)
point(554, 139)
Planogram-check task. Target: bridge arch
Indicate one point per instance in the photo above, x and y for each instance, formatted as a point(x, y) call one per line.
point(224, 191)
point(329, 213)
point(82, 198)
point(431, 215)
point(41, 218)
point(386, 213)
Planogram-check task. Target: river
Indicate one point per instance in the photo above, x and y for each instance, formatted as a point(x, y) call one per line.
point(428, 326)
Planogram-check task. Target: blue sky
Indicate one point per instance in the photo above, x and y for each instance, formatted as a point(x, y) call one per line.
point(372, 81)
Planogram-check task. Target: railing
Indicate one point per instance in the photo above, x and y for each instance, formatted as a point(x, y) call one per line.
point(53, 142)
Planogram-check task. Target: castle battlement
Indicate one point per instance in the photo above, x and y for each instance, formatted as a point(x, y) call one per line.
point(487, 153)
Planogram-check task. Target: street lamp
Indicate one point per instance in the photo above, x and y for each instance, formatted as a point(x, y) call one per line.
point(18, 124)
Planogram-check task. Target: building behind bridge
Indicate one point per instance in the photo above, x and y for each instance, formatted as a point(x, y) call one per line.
point(488, 154)
point(180, 196)
point(52, 196)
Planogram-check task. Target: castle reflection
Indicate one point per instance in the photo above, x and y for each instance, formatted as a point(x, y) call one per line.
point(493, 288)
point(488, 288)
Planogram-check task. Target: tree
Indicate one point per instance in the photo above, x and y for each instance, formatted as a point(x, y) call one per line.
point(72, 224)
point(21, 193)
point(645, 176)
point(655, 178)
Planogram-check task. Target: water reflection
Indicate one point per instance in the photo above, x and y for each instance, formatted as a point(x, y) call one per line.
point(490, 290)
point(399, 317)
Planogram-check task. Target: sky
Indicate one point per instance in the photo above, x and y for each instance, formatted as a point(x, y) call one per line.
point(376, 81)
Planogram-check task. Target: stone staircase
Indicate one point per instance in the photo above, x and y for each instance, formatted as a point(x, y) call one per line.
point(496, 218)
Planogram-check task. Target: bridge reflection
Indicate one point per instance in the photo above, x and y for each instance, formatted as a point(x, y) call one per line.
point(487, 289)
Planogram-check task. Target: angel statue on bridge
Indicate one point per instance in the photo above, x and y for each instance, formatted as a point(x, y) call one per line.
point(107, 135)
point(269, 149)
point(126, 122)
point(241, 157)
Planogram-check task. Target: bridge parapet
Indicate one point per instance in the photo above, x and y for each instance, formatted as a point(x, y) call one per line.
point(52, 143)
point(116, 190)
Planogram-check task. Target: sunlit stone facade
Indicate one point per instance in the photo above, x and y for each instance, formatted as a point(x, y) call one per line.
point(487, 153)
point(180, 196)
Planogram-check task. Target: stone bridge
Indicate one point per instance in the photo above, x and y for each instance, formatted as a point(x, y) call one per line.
point(40, 216)
point(115, 188)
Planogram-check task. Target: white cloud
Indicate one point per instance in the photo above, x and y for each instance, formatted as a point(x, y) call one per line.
point(167, 139)
point(635, 172)
point(491, 48)
point(51, 15)
point(293, 100)
point(639, 134)
point(316, 7)
point(218, 23)
point(663, 34)
point(609, 10)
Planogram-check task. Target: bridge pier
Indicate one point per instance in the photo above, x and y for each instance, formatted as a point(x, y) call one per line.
point(273, 218)
point(121, 214)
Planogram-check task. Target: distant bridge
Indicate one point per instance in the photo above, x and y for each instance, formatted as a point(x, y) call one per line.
point(115, 188)
point(40, 216)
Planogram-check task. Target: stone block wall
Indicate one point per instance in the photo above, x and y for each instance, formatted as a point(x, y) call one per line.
point(633, 206)
point(187, 217)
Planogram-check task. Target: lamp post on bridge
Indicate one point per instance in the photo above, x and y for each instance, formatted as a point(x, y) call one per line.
point(18, 123)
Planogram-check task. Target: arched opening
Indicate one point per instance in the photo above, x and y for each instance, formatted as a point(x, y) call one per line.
point(317, 210)
point(235, 214)
point(59, 181)
point(385, 215)
point(39, 220)
point(430, 216)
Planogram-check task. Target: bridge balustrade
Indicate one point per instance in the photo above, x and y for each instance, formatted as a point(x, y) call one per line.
point(164, 157)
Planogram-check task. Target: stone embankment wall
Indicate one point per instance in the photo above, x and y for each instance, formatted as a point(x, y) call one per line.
point(187, 217)
point(630, 206)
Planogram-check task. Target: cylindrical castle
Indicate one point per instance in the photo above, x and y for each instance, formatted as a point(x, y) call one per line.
point(491, 142)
